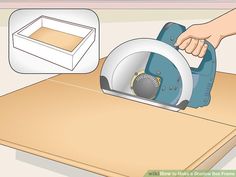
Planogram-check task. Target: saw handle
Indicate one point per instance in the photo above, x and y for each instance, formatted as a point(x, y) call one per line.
point(204, 75)
point(169, 34)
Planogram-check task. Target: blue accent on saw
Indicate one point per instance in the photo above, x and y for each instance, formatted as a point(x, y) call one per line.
point(171, 83)
point(206, 75)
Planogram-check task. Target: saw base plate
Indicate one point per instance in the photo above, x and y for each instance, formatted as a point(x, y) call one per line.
point(140, 100)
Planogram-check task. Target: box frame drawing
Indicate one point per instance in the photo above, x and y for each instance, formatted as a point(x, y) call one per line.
point(51, 53)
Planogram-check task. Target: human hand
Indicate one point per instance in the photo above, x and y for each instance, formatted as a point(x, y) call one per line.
point(192, 40)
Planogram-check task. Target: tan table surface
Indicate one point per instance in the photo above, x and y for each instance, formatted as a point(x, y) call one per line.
point(68, 119)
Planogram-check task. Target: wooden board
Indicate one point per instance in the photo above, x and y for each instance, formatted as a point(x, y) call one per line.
point(105, 134)
point(89, 81)
point(222, 107)
point(55, 38)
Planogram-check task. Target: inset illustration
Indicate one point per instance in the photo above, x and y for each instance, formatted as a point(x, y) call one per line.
point(57, 41)
point(153, 71)
point(57, 44)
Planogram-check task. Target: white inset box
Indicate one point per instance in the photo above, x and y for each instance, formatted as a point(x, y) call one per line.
point(60, 42)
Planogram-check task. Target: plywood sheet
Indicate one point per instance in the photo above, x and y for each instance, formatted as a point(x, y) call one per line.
point(222, 107)
point(104, 134)
point(90, 81)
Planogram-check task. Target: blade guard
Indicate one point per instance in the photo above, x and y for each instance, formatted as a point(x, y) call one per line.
point(203, 76)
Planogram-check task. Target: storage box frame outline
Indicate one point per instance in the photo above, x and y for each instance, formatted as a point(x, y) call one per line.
point(88, 38)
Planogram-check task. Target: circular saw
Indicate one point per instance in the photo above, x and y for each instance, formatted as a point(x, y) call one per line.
point(154, 72)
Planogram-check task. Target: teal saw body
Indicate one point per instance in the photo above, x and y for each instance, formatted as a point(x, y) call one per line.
point(153, 71)
point(203, 76)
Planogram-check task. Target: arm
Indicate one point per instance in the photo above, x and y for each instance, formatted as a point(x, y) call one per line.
point(192, 40)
